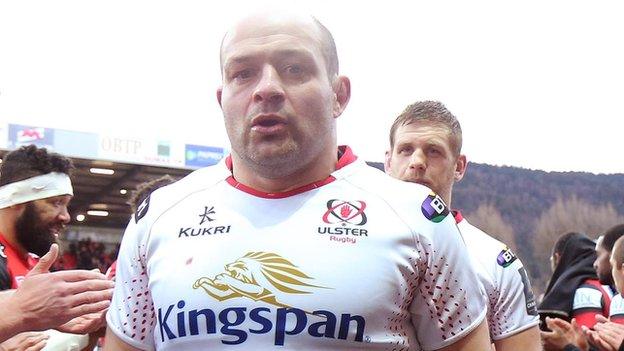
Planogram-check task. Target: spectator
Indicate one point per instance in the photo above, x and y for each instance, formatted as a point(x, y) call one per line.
point(608, 335)
point(573, 292)
point(571, 334)
point(603, 267)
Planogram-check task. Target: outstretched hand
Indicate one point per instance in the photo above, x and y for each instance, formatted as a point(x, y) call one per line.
point(48, 300)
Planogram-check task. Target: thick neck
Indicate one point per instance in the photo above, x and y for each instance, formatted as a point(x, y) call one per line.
point(318, 169)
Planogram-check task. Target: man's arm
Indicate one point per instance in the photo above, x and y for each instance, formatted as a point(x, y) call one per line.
point(478, 339)
point(113, 343)
point(46, 300)
point(526, 340)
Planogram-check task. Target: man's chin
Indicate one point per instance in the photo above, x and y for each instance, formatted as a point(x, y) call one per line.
point(272, 153)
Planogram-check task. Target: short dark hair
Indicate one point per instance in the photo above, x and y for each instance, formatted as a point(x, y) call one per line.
point(430, 111)
point(611, 236)
point(618, 253)
point(31, 161)
point(146, 188)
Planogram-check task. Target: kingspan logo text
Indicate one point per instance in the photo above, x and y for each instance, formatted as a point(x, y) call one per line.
point(230, 320)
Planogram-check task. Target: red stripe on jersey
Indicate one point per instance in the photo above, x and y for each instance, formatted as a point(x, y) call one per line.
point(345, 159)
point(587, 316)
point(458, 216)
point(17, 265)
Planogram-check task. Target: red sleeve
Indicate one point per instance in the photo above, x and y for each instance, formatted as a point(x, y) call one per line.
point(586, 317)
point(588, 302)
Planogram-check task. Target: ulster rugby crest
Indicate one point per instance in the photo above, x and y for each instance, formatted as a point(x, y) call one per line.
point(340, 211)
point(257, 275)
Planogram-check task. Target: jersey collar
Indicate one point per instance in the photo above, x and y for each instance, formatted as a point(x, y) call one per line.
point(458, 216)
point(9, 249)
point(345, 158)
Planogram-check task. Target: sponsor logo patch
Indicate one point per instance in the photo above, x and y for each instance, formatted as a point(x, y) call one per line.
point(142, 209)
point(434, 208)
point(506, 257)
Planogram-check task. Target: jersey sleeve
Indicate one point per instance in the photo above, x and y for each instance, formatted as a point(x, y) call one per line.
point(450, 301)
point(131, 316)
point(587, 303)
point(515, 309)
point(616, 311)
point(5, 277)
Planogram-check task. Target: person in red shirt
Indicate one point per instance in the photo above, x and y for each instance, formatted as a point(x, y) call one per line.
point(35, 190)
point(574, 290)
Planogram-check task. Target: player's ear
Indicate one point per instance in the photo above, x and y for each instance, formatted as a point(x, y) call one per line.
point(460, 167)
point(219, 93)
point(387, 159)
point(342, 94)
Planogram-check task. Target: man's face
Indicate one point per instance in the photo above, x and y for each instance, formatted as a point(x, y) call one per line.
point(603, 266)
point(618, 275)
point(41, 222)
point(423, 154)
point(277, 99)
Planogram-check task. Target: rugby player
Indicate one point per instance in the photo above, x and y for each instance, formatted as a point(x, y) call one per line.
point(255, 253)
point(604, 269)
point(609, 334)
point(35, 190)
point(425, 148)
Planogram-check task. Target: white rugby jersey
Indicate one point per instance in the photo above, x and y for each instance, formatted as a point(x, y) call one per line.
point(512, 308)
point(357, 261)
point(616, 309)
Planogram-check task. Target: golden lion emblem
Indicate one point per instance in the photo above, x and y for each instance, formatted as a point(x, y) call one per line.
point(256, 276)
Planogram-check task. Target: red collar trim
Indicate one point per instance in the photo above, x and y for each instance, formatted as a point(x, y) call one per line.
point(10, 249)
point(458, 216)
point(346, 157)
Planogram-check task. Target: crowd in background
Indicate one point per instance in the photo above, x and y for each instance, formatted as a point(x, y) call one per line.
point(86, 254)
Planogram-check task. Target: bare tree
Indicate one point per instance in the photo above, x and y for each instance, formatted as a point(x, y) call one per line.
point(567, 215)
point(489, 219)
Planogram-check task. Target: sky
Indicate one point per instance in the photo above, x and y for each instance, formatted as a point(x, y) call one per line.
point(535, 84)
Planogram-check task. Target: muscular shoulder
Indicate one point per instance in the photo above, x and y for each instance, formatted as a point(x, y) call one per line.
point(168, 196)
point(413, 203)
point(486, 249)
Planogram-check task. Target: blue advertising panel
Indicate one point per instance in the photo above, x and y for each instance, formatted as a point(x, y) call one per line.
point(20, 135)
point(201, 156)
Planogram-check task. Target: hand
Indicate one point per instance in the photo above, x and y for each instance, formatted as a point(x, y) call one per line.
point(29, 341)
point(46, 300)
point(607, 336)
point(85, 324)
point(563, 333)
